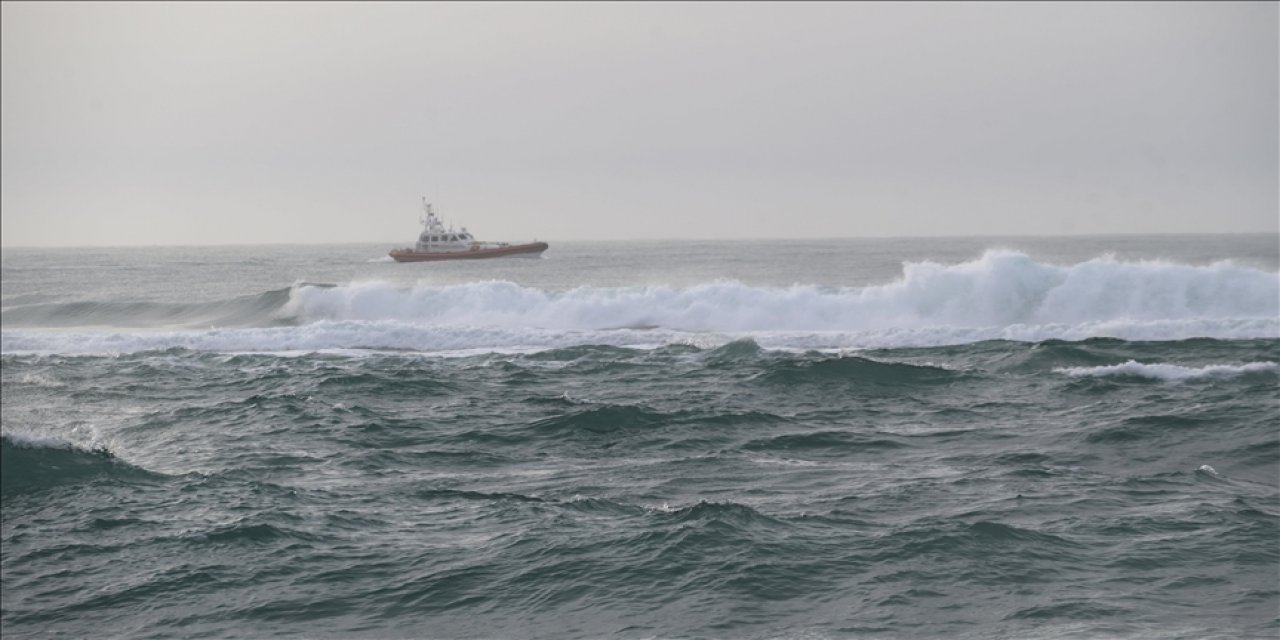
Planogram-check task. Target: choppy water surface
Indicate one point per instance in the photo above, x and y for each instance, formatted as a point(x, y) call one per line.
point(936, 438)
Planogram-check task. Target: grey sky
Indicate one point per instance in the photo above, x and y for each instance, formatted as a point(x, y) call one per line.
point(190, 123)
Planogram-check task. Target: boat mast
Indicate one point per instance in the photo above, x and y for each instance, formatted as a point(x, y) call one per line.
point(430, 222)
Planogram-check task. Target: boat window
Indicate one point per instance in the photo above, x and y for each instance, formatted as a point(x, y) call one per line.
point(452, 238)
point(433, 238)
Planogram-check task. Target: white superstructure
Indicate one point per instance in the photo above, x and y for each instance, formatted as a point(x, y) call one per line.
point(436, 238)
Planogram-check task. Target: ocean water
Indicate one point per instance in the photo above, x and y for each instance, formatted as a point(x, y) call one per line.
point(938, 438)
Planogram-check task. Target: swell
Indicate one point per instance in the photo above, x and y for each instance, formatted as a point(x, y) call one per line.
point(29, 465)
point(612, 420)
point(1050, 354)
point(260, 309)
point(855, 370)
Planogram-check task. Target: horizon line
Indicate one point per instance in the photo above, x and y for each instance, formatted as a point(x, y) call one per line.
point(1273, 232)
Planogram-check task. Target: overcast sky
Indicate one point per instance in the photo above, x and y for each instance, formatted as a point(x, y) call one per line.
point(237, 122)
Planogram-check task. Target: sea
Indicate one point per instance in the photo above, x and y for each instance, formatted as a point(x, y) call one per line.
point(1070, 437)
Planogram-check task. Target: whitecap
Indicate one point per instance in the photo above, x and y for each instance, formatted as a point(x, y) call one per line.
point(1169, 372)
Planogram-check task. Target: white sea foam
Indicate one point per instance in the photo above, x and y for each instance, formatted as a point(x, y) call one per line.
point(84, 437)
point(1002, 295)
point(1170, 372)
point(40, 380)
point(1000, 289)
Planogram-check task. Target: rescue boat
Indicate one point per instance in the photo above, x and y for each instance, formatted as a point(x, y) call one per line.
point(436, 242)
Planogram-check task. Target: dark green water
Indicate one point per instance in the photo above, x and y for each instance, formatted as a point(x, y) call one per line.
point(1015, 444)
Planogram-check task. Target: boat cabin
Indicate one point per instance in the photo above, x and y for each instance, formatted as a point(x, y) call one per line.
point(436, 238)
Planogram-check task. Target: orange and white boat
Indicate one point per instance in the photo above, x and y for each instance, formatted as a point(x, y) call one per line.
point(439, 243)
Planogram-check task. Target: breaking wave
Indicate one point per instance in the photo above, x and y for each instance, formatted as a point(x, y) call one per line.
point(1002, 295)
point(1000, 289)
point(1171, 372)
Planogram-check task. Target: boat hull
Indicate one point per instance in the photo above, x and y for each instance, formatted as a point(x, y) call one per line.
point(409, 255)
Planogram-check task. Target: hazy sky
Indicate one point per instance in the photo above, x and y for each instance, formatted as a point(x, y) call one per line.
point(191, 123)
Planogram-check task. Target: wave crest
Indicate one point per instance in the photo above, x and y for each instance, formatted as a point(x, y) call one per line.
point(31, 463)
point(1170, 372)
point(1001, 296)
point(999, 289)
